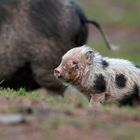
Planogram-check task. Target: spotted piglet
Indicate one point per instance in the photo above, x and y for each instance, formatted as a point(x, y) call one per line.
point(102, 79)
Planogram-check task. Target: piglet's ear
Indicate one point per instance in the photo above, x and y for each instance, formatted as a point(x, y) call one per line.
point(89, 56)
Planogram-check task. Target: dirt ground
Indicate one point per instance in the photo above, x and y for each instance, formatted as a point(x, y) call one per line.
point(40, 122)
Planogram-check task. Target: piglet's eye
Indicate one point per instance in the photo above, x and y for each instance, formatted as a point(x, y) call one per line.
point(75, 62)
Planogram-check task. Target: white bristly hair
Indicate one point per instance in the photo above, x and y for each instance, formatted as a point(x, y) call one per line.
point(115, 67)
point(109, 69)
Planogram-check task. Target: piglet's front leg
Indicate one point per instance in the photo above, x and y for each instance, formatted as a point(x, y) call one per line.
point(97, 100)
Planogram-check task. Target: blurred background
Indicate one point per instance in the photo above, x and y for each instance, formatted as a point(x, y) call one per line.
point(120, 20)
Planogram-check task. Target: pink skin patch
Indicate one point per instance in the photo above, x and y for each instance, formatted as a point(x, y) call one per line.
point(67, 70)
point(72, 66)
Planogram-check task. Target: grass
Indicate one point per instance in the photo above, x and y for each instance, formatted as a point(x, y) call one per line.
point(55, 101)
point(20, 92)
point(123, 15)
point(114, 12)
point(131, 53)
point(72, 112)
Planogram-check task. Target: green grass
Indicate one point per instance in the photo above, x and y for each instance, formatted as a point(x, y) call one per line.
point(126, 51)
point(116, 14)
point(72, 111)
point(21, 92)
point(73, 100)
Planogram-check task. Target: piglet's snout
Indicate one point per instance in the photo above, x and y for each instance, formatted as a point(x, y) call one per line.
point(58, 72)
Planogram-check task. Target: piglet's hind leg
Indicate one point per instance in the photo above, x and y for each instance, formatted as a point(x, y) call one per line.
point(96, 100)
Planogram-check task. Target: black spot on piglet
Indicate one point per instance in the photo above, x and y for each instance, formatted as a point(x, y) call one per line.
point(132, 99)
point(104, 63)
point(120, 80)
point(137, 66)
point(99, 84)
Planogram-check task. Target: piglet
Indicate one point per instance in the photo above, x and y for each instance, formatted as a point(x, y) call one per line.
point(102, 79)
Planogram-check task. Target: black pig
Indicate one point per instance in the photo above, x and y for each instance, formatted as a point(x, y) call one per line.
point(34, 35)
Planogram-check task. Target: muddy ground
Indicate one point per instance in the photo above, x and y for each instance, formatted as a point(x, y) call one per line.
point(43, 117)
